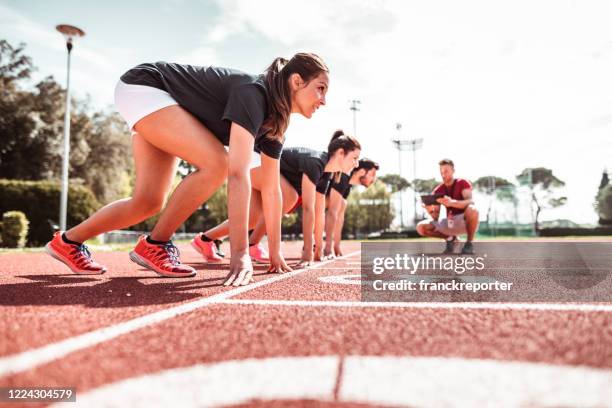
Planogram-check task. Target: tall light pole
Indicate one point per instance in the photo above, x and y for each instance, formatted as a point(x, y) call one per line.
point(409, 145)
point(355, 109)
point(398, 145)
point(414, 145)
point(69, 32)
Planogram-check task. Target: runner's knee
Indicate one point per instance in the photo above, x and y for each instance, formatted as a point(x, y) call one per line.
point(423, 228)
point(148, 204)
point(471, 211)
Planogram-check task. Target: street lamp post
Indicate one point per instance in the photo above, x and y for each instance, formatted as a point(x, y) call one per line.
point(69, 32)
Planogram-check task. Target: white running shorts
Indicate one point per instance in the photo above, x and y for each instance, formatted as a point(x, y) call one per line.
point(134, 102)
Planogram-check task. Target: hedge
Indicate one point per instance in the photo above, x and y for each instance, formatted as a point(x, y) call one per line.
point(14, 229)
point(40, 200)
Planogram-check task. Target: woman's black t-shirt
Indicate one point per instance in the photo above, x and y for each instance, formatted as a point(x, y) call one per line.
point(343, 186)
point(297, 161)
point(215, 96)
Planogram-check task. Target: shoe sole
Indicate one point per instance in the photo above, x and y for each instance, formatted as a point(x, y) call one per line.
point(207, 259)
point(263, 261)
point(134, 257)
point(49, 249)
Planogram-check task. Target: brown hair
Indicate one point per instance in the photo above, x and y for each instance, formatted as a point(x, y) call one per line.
point(447, 161)
point(308, 66)
point(367, 165)
point(341, 141)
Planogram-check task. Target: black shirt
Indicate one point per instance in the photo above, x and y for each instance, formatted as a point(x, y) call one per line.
point(324, 184)
point(296, 161)
point(215, 96)
point(343, 186)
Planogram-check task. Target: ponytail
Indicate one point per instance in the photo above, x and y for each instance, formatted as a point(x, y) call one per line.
point(340, 140)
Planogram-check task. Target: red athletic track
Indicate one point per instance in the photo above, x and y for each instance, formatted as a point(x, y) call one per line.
point(41, 302)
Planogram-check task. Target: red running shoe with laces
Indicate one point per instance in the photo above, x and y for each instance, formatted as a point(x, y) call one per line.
point(75, 257)
point(161, 259)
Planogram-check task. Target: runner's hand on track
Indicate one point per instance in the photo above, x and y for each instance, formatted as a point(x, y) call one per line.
point(241, 271)
point(338, 251)
point(278, 264)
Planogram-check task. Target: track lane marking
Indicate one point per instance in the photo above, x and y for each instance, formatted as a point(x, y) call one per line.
point(378, 380)
point(582, 307)
point(32, 358)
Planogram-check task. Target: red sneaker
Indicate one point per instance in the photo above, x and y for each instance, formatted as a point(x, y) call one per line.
point(208, 249)
point(162, 259)
point(75, 257)
point(259, 253)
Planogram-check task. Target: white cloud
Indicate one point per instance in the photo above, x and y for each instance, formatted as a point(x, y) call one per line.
point(496, 86)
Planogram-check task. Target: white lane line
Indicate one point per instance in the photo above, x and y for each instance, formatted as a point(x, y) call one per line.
point(341, 279)
point(583, 307)
point(339, 268)
point(377, 380)
point(457, 382)
point(29, 359)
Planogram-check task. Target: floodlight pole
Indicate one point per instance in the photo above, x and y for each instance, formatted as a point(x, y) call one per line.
point(398, 145)
point(414, 147)
point(355, 109)
point(69, 33)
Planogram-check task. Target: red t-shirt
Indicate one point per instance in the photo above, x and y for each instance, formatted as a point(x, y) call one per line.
point(454, 192)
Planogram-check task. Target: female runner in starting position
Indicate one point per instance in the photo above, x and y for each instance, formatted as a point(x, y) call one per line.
point(190, 112)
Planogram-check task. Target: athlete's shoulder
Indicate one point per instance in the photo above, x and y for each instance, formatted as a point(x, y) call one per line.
point(439, 188)
point(464, 183)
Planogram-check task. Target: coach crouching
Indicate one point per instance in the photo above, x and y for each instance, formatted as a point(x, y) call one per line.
point(462, 215)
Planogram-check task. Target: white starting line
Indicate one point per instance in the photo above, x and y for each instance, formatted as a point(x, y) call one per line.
point(378, 380)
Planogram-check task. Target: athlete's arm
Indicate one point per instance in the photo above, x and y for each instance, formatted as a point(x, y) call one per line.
point(467, 200)
point(339, 226)
point(319, 225)
point(308, 218)
point(273, 210)
point(239, 196)
point(333, 212)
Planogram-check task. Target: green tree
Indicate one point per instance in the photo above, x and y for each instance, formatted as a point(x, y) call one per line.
point(368, 211)
point(14, 65)
point(543, 185)
point(376, 205)
point(354, 215)
point(496, 188)
point(108, 167)
point(395, 181)
point(425, 186)
point(603, 200)
point(604, 205)
point(31, 129)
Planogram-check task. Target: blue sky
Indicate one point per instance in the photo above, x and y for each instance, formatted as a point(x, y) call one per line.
point(497, 86)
